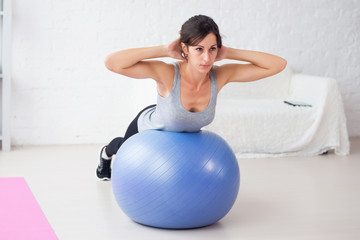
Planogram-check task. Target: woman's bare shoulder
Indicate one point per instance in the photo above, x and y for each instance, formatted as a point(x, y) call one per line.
point(222, 74)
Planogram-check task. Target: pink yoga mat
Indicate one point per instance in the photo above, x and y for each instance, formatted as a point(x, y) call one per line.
point(21, 217)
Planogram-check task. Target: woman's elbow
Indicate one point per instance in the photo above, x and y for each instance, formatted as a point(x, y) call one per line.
point(109, 64)
point(281, 65)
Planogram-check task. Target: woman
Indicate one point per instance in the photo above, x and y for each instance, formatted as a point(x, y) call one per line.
point(187, 89)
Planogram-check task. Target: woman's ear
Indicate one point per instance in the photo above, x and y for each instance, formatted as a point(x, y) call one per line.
point(184, 48)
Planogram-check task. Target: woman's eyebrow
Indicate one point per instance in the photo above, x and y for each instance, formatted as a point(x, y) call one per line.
point(203, 46)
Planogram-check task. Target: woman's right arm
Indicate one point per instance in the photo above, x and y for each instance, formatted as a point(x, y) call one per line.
point(130, 62)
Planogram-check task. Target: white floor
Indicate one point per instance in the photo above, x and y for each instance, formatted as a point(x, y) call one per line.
point(280, 198)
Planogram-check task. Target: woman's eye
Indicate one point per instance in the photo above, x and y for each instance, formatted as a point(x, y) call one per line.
point(198, 49)
point(213, 49)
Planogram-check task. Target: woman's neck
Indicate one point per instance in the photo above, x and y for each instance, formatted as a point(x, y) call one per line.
point(192, 76)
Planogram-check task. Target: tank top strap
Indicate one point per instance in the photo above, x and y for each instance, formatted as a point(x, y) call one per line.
point(177, 73)
point(214, 84)
point(175, 92)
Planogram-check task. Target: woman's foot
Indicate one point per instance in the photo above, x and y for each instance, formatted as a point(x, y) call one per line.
point(103, 170)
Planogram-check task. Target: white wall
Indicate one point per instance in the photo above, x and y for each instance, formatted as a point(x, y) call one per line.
point(62, 93)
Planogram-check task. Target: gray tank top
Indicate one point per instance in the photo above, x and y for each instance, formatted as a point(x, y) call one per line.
point(170, 115)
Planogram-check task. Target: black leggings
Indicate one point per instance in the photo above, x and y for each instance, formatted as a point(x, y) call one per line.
point(112, 148)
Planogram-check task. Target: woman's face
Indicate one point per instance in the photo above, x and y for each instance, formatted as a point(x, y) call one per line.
point(202, 56)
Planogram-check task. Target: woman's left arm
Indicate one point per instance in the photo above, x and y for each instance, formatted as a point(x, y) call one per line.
point(260, 65)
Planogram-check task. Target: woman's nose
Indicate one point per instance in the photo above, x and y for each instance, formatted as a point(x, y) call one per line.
point(206, 56)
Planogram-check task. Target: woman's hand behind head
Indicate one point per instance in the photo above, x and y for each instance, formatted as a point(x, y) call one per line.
point(174, 50)
point(221, 53)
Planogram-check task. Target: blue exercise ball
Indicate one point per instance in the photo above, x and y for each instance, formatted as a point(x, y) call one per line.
point(175, 180)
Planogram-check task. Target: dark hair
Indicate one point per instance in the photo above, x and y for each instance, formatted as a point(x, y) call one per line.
point(197, 28)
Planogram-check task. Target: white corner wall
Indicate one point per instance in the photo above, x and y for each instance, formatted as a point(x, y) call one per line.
point(62, 93)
